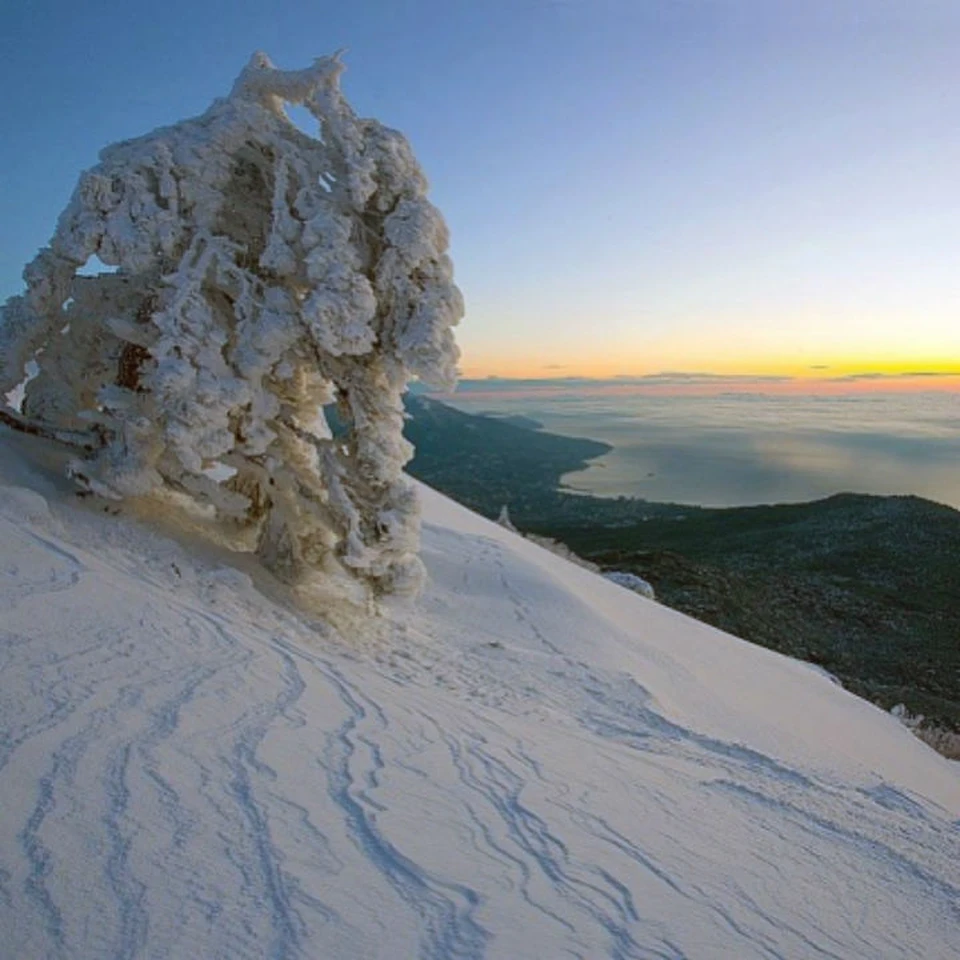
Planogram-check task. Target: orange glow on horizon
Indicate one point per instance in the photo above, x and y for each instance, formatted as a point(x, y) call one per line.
point(776, 376)
point(746, 385)
point(825, 379)
point(522, 369)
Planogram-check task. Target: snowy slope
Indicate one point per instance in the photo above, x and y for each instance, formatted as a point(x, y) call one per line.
point(532, 763)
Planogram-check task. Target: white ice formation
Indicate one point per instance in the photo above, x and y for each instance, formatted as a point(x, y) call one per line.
point(260, 273)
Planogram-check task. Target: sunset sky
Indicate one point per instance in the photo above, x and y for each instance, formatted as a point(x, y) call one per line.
point(762, 187)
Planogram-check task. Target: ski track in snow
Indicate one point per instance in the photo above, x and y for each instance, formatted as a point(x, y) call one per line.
point(187, 770)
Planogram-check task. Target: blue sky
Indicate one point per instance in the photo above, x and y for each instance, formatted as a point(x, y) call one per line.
point(632, 186)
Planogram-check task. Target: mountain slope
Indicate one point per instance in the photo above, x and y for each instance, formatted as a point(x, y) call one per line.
point(867, 587)
point(532, 762)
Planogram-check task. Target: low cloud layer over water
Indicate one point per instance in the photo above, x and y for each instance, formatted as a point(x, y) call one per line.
point(737, 449)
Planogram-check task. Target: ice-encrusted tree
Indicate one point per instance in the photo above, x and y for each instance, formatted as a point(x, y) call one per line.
point(260, 273)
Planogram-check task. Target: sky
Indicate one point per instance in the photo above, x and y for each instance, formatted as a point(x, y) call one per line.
point(731, 187)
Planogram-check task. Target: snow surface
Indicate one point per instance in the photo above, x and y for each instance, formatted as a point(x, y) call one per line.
point(530, 763)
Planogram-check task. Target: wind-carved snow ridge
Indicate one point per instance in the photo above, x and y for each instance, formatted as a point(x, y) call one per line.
point(260, 274)
point(532, 762)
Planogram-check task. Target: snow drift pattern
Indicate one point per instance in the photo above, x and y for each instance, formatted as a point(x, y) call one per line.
point(530, 762)
point(261, 273)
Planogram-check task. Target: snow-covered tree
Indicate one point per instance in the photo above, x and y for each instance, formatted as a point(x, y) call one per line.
point(260, 273)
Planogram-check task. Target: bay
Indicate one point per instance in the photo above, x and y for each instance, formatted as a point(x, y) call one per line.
point(737, 449)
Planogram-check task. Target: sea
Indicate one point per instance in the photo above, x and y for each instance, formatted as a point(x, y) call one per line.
point(739, 449)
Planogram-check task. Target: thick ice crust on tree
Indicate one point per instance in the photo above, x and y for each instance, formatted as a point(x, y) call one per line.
point(260, 273)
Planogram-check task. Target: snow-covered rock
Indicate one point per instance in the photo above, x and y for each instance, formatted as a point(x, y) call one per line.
point(530, 762)
point(632, 582)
